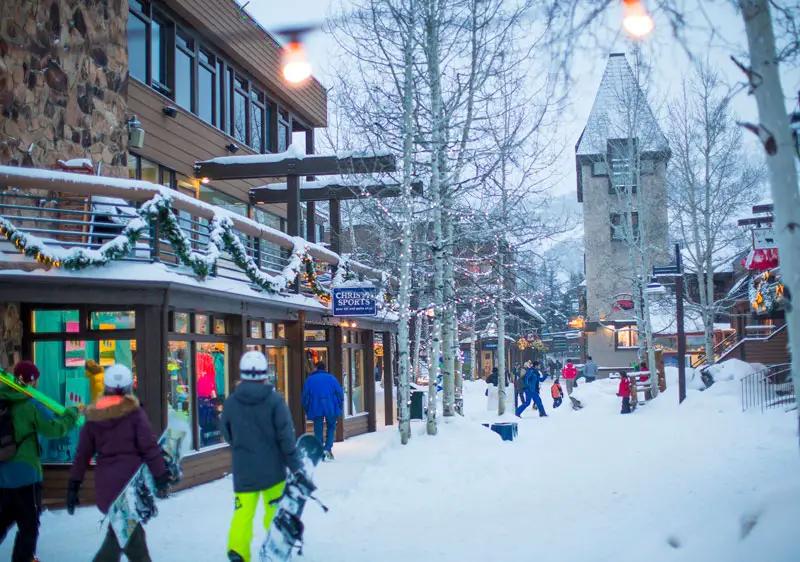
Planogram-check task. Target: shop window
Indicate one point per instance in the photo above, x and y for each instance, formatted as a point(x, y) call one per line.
point(256, 329)
point(277, 366)
point(179, 402)
point(269, 331)
point(63, 378)
point(626, 338)
point(314, 355)
point(181, 323)
point(316, 335)
point(149, 171)
point(201, 324)
point(280, 331)
point(122, 320)
point(353, 377)
point(219, 326)
point(211, 364)
point(55, 321)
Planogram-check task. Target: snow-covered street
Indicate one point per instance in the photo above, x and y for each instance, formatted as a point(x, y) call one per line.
point(699, 482)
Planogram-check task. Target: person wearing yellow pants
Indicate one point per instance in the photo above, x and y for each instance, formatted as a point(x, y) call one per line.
point(257, 424)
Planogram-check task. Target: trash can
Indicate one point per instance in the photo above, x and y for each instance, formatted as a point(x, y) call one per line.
point(506, 430)
point(417, 404)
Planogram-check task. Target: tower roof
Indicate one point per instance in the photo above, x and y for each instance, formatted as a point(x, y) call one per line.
point(620, 111)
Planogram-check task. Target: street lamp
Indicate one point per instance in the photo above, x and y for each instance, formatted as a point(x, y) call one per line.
point(296, 67)
point(636, 20)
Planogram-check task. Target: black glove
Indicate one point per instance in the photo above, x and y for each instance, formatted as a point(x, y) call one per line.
point(73, 488)
point(162, 485)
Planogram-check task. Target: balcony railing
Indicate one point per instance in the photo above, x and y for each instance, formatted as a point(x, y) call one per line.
point(61, 218)
point(768, 388)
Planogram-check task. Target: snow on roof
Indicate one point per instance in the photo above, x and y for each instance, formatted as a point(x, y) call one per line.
point(663, 318)
point(294, 152)
point(530, 309)
point(84, 163)
point(360, 180)
point(620, 111)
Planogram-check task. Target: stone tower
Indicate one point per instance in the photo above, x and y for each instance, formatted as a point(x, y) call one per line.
point(621, 159)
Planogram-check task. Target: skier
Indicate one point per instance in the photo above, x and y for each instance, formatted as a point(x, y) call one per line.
point(118, 432)
point(532, 379)
point(20, 466)
point(556, 392)
point(323, 401)
point(569, 372)
point(624, 392)
point(257, 424)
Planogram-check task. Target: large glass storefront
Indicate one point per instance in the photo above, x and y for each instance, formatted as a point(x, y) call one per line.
point(199, 376)
point(63, 341)
point(353, 372)
point(270, 339)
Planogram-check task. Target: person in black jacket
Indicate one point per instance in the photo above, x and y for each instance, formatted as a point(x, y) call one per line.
point(257, 424)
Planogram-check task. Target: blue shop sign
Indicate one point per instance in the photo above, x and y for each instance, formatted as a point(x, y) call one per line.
point(354, 301)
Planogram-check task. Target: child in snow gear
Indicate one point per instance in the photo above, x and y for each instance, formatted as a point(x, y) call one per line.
point(118, 431)
point(532, 379)
point(257, 424)
point(20, 467)
point(556, 393)
point(323, 401)
point(625, 393)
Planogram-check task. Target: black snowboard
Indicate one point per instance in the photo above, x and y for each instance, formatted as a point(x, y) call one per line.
point(286, 532)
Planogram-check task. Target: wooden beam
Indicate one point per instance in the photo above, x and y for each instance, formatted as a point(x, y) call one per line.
point(311, 222)
point(249, 167)
point(293, 206)
point(388, 376)
point(295, 332)
point(278, 193)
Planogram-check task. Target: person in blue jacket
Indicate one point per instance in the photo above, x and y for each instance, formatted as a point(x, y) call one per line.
point(532, 379)
point(323, 401)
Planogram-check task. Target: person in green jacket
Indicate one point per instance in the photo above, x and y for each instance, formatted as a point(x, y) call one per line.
point(21, 475)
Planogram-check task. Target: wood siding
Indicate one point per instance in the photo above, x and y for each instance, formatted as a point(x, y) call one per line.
point(356, 425)
point(771, 351)
point(177, 143)
point(247, 45)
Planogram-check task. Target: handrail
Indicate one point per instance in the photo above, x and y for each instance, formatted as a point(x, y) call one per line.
point(138, 190)
point(768, 388)
point(719, 349)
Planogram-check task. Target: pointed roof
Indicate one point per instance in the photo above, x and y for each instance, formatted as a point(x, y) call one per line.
point(620, 111)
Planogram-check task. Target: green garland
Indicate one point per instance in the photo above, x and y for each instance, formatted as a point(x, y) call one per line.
point(159, 211)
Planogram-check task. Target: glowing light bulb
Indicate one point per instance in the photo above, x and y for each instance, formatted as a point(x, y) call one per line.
point(296, 67)
point(636, 20)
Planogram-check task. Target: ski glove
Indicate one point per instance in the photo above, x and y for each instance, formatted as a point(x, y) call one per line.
point(73, 488)
point(162, 486)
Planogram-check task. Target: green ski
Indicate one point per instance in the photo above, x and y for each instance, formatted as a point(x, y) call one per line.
point(40, 397)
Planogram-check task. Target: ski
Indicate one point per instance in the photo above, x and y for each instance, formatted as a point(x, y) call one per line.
point(40, 397)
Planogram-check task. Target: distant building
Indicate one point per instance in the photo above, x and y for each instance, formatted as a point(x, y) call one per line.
point(621, 159)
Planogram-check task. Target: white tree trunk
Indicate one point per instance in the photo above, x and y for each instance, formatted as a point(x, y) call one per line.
point(449, 326)
point(419, 326)
point(781, 164)
point(501, 345)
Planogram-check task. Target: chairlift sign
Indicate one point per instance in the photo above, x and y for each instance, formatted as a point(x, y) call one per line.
point(354, 301)
point(764, 238)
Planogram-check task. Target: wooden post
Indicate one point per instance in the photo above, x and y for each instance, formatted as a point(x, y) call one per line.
point(388, 375)
point(337, 370)
point(293, 205)
point(311, 222)
point(336, 225)
point(237, 348)
point(295, 332)
point(150, 366)
point(369, 378)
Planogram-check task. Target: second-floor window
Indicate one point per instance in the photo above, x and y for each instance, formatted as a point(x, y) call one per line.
point(622, 164)
point(621, 230)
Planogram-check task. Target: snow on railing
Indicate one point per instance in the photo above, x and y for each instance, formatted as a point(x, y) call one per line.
point(768, 388)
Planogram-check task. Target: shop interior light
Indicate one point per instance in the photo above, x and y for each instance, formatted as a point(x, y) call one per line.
point(636, 20)
point(205, 181)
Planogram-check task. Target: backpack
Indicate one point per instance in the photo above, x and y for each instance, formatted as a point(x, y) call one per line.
point(8, 443)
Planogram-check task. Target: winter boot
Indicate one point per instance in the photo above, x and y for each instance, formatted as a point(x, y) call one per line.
point(234, 557)
point(328, 456)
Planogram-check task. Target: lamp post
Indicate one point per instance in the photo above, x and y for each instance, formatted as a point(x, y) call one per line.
point(675, 271)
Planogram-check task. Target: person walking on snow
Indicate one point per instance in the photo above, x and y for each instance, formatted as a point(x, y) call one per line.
point(569, 372)
point(258, 426)
point(119, 435)
point(532, 379)
point(20, 467)
point(323, 401)
point(556, 392)
point(590, 369)
point(624, 392)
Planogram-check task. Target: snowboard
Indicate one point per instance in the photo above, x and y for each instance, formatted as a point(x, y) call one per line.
point(40, 397)
point(137, 502)
point(286, 532)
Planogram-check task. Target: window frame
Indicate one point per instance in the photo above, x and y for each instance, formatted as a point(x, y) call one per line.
point(623, 216)
point(631, 329)
point(628, 167)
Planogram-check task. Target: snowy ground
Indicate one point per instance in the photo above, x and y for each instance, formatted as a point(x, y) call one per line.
point(699, 482)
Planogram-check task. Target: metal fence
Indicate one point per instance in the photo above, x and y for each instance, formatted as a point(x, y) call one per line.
point(771, 387)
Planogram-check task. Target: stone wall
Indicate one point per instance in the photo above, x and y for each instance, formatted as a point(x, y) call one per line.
point(10, 335)
point(63, 83)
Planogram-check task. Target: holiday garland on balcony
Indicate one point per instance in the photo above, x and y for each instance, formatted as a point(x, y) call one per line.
point(766, 292)
point(159, 211)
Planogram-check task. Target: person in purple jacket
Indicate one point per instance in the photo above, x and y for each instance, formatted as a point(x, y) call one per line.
point(323, 401)
point(118, 432)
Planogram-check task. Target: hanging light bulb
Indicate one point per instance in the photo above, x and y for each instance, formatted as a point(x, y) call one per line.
point(636, 20)
point(296, 67)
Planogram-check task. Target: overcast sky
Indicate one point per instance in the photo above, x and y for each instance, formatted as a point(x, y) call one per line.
point(669, 61)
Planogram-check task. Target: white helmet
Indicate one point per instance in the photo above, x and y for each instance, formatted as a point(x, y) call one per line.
point(118, 379)
point(253, 366)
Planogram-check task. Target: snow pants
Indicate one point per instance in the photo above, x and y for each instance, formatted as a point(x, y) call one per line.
point(557, 402)
point(21, 506)
point(241, 533)
point(532, 396)
point(135, 550)
point(626, 405)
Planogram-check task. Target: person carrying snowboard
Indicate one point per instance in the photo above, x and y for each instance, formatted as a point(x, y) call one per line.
point(323, 401)
point(258, 426)
point(118, 431)
point(21, 421)
point(532, 379)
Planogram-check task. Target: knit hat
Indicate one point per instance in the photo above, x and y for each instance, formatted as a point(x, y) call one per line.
point(26, 371)
point(93, 368)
